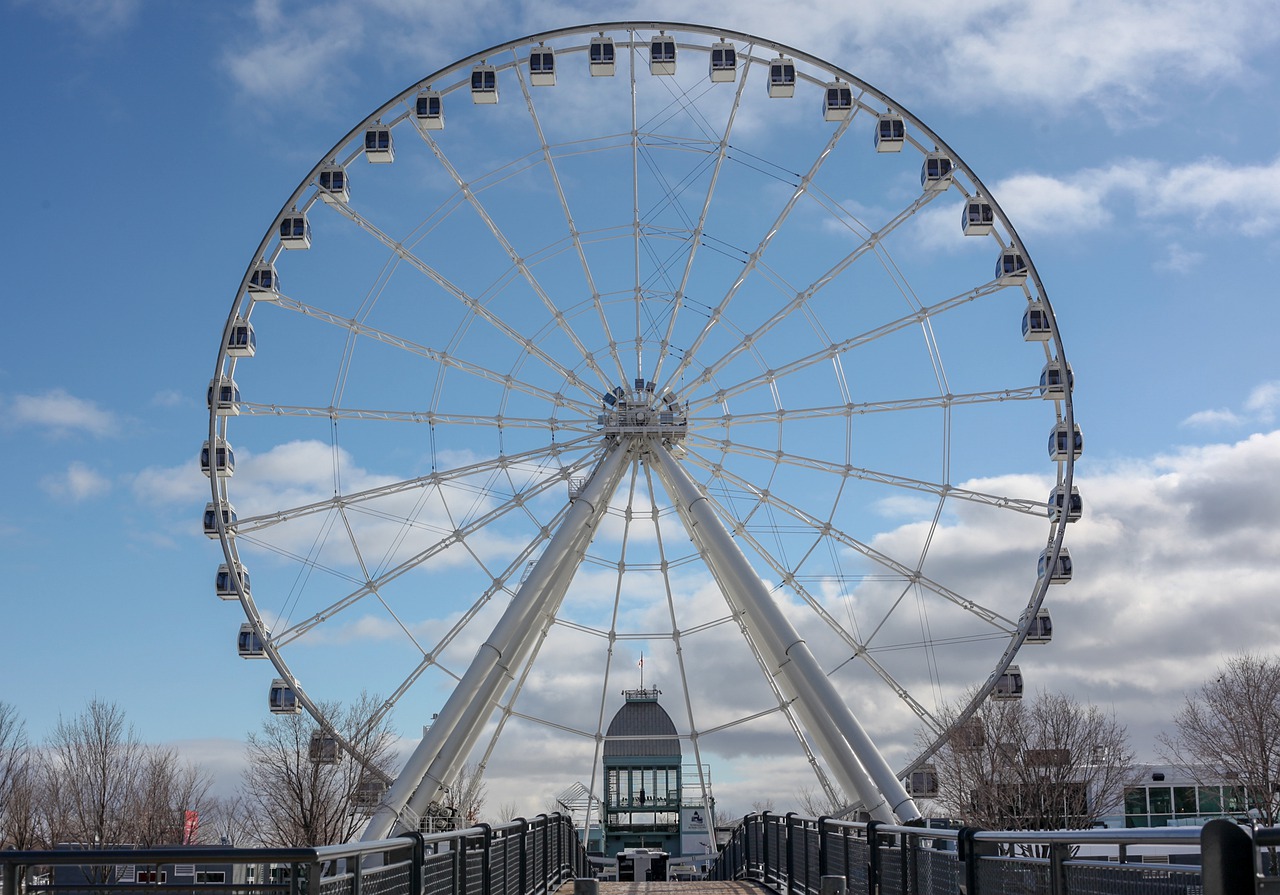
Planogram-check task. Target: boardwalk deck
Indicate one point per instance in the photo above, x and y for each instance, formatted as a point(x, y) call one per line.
point(702, 887)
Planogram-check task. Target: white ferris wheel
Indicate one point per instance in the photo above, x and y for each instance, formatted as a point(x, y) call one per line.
point(643, 340)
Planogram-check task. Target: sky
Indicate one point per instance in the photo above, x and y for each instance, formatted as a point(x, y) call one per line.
point(1134, 147)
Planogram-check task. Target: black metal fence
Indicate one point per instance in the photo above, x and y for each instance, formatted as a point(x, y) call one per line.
point(518, 858)
point(795, 855)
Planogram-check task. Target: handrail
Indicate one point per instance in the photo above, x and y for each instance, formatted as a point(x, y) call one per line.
point(796, 855)
point(521, 857)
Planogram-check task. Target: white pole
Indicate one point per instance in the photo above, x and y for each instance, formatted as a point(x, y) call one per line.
point(468, 707)
point(860, 767)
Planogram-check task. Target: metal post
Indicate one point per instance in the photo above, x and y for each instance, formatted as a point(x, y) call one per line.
point(1059, 852)
point(873, 866)
point(1226, 850)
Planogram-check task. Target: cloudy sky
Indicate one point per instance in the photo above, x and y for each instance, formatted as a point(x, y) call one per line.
point(1133, 145)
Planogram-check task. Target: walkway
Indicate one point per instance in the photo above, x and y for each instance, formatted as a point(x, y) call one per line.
point(736, 887)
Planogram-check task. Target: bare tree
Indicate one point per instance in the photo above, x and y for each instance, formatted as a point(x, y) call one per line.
point(814, 802)
point(1045, 763)
point(1230, 729)
point(300, 788)
point(228, 821)
point(91, 762)
point(467, 793)
point(166, 800)
point(20, 795)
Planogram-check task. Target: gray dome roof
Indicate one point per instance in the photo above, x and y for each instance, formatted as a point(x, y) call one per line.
point(641, 718)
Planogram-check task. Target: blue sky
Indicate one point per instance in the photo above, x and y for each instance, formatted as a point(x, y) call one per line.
point(1133, 145)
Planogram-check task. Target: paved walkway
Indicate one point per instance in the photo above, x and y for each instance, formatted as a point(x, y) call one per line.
point(735, 887)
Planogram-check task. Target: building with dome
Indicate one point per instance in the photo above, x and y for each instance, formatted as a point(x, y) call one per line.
point(643, 805)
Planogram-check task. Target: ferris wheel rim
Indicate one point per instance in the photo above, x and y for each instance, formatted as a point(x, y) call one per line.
point(244, 303)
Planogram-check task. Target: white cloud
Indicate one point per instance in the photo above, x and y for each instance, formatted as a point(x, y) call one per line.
point(171, 485)
point(78, 482)
point(304, 51)
point(1264, 400)
point(61, 413)
point(95, 18)
point(1119, 57)
point(1259, 410)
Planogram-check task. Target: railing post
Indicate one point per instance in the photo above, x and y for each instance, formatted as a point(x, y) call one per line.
point(1059, 852)
point(969, 852)
point(1226, 852)
point(873, 864)
point(822, 846)
point(417, 858)
point(486, 880)
point(791, 853)
point(524, 858)
point(764, 847)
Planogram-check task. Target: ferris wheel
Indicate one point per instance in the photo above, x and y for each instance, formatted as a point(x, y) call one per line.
point(643, 348)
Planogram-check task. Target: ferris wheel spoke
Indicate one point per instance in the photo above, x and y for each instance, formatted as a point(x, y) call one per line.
point(453, 538)
point(801, 298)
point(937, 489)
point(430, 417)
point(452, 477)
point(549, 159)
point(836, 349)
point(861, 408)
point(990, 616)
point(695, 240)
point(474, 305)
point(753, 259)
point(443, 358)
point(519, 262)
point(860, 650)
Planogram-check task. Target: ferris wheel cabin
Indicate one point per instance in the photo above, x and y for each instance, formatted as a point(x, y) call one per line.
point(428, 110)
point(724, 62)
point(295, 231)
point(935, 172)
point(977, 218)
point(1035, 323)
point(334, 187)
point(837, 102)
point(1058, 498)
point(1009, 684)
point(223, 397)
point(241, 341)
point(378, 147)
point(1041, 627)
point(484, 85)
point(1058, 441)
point(1061, 571)
point(1054, 385)
point(891, 133)
point(323, 748)
point(601, 53)
point(248, 644)
point(223, 461)
point(662, 55)
point(542, 66)
point(211, 519)
point(1011, 267)
point(782, 78)
point(264, 285)
point(282, 700)
point(225, 582)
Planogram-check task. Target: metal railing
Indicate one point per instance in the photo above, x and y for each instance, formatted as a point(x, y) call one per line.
point(794, 855)
point(517, 858)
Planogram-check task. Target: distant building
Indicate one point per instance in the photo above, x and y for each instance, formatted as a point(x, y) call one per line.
point(643, 771)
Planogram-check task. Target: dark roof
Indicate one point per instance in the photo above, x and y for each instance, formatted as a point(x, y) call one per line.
point(645, 719)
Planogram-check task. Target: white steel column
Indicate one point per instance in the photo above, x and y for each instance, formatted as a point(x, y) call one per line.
point(444, 747)
point(854, 758)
